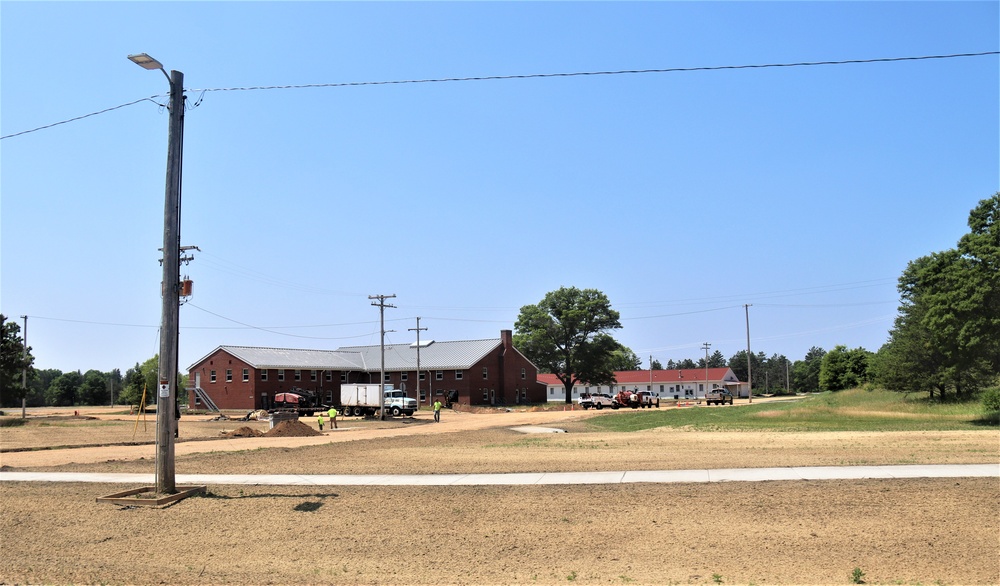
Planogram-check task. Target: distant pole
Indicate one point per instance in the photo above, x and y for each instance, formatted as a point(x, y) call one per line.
point(381, 304)
point(418, 329)
point(24, 369)
point(746, 308)
point(705, 347)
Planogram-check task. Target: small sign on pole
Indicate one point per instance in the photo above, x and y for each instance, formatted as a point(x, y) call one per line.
point(164, 389)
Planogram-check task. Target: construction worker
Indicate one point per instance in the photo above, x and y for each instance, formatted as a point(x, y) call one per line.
point(320, 419)
point(437, 411)
point(333, 417)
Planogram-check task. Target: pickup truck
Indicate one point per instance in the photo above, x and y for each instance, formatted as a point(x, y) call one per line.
point(719, 397)
point(596, 400)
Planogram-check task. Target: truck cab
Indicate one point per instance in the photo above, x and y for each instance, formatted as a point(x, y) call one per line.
point(397, 403)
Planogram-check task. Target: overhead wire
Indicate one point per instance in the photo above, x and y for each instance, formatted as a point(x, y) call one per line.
point(519, 76)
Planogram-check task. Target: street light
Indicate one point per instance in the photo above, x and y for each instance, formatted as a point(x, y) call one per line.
point(166, 424)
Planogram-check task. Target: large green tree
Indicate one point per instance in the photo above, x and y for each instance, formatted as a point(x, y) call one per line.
point(947, 333)
point(567, 334)
point(624, 358)
point(805, 372)
point(844, 369)
point(13, 363)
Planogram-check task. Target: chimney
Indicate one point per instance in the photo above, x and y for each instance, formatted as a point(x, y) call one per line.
point(507, 337)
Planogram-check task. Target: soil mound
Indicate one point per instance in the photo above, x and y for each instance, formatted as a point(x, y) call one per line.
point(291, 429)
point(245, 432)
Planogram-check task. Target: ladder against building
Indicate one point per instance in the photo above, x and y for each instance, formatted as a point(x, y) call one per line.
point(206, 400)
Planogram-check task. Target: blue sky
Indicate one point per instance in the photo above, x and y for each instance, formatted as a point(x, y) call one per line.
point(803, 191)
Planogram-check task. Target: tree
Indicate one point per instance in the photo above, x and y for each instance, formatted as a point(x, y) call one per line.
point(566, 334)
point(139, 378)
point(13, 363)
point(947, 333)
point(93, 390)
point(62, 391)
point(805, 372)
point(655, 365)
point(844, 369)
point(623, 358)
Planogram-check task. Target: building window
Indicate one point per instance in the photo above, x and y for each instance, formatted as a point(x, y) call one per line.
point(343, 377)
point(486, 373)
point(422, 376)
point(486, 395)
point(438, 375)
point(211, 376)
point(229, 375)
point(329, 376)
point(281, 374)
point(404, 376)
point(458, 375)
point(263, 375)
point(312, 375)
point(423, 395)
point(524, 395)
point(246, 375)
point(524, 374)
point(388, 377)
point(298, 374)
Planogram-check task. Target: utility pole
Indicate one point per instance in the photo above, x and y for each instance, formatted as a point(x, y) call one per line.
point(746, 308)
point(24, 369)
point(705, 347)
point(418, 329)
point(381, 305)
point(166, 424)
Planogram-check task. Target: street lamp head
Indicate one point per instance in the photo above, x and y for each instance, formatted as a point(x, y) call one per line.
point(145, 61)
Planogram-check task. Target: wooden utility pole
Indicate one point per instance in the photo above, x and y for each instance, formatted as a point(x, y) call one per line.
point(24, 369)
point(746, 308)
point(381, 305)
point(170, 316)
point(418, 329)
point(705, 347)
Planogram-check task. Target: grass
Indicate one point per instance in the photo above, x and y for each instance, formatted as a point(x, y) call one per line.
point(851, 410)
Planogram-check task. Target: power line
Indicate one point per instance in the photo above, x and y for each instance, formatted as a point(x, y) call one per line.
point(526, 76)
point(595, 73)
point(104, 111)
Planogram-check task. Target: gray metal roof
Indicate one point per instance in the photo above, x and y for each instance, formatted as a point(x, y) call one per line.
point(458, 355)
point(292, 358)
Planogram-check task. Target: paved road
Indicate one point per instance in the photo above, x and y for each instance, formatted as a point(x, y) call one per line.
point(647, 476)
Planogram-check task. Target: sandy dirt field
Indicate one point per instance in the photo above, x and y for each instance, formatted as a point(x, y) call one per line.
point(935, 531)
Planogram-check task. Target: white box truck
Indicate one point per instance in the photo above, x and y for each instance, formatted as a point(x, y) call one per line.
point(366, 400)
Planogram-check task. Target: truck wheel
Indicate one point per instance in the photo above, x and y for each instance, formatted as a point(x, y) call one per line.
point(358, 412)
point(599, 406)
point(396, 411)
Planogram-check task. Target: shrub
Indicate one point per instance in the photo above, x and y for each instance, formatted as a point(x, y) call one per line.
point(991, 400)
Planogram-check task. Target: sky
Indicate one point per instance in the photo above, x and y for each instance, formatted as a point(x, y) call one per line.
point(699, 199)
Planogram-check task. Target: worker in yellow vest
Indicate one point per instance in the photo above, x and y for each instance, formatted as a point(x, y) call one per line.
point(320, 419)
point(437, 411)
point(333, 416)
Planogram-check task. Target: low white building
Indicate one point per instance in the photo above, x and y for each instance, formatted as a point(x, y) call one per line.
point(689, 383)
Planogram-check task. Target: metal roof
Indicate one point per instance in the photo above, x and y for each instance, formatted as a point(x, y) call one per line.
point(459, 355)
point(292, 358)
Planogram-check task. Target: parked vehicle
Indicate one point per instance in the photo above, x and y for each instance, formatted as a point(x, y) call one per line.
point(596, 400)
point(367, 400)
point(636, 400)
point(718, 397)
point(302, 401)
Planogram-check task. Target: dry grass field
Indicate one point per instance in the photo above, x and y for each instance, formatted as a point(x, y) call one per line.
point(907, 531)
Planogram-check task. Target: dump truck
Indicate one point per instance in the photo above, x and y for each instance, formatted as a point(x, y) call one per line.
point(366, 400)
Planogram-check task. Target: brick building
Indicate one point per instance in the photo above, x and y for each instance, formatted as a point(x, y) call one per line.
point(481, 372)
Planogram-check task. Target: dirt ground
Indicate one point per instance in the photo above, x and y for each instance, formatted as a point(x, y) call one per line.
point(912, 531)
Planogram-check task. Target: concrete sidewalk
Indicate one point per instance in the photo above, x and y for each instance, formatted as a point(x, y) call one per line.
point(648, 476)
